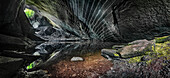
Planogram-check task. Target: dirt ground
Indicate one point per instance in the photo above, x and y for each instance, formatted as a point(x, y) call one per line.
point(92, 67)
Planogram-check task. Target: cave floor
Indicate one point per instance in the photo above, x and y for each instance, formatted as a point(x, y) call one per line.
point(93, 66)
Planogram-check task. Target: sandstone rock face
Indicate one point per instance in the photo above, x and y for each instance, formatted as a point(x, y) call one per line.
point(110, 20)
point(144, 19)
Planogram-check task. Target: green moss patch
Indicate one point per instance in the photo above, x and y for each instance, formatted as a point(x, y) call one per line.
point(31, 66)
point(29, 13)
point(135, 59)
point(158, 50)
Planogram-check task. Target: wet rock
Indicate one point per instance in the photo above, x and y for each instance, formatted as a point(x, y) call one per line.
point(10, 42)
point(109, 53)
point(118, 47)
point(46, 26)
point(50, 31)
point(9, 66)
point(23, 55)
point(76, 59)
point(136, 48)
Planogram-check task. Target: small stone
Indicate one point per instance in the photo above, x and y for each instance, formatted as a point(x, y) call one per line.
point(36, 53)
point(74, 75)
point(75, 59)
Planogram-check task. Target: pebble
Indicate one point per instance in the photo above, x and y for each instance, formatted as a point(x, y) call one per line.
point(76, 59)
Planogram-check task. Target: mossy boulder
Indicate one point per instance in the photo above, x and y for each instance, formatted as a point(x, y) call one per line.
point(158, 50)
point(136, 48)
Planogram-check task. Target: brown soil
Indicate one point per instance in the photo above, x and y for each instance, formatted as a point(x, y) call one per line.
point(93, 66)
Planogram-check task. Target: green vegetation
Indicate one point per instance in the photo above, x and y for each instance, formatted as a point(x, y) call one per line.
point(29, 13)
point(135, 59)
point(158, 50)
point(162, 39)
point(115, 54)
point(31, 65)
point(35, 63)
point(162, 49)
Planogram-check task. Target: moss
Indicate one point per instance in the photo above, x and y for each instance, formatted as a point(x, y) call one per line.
point(162, 49)
point(158, 50)
point(115, 54)
point(149, 61)
point(29, 13)
point(31, 65)
point(34, 64)
point(135, 59)
point(162, 39)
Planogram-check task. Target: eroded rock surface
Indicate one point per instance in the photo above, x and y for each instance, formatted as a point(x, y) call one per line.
point(110, 20)
point(136, 48)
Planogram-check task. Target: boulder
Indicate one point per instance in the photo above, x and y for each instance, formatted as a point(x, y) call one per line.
point(136, 48)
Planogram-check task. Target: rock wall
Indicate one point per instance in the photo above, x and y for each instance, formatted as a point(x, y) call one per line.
point(16, 36)
point(15, 28)
point(144, 19)
point(110, 20)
